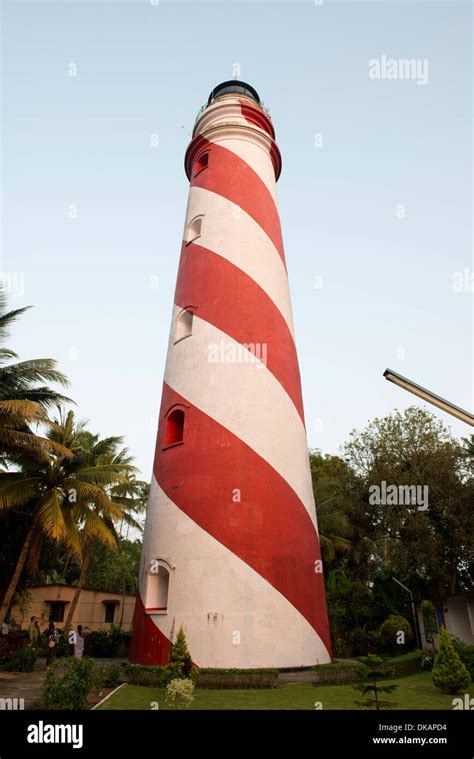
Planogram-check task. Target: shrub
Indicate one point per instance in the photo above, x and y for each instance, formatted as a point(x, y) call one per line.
point(180, 664)
point(22, 660)
point(104, 644)
point(389, 634)
point(427, 661)
point(449, 673)
point(107, 677)
point(466, 654)
point(180, 656)
point(179, 692)
point(70, 690)
point(11, 642)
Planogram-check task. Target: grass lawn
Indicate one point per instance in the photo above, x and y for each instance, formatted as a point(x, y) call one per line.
point(414, 692)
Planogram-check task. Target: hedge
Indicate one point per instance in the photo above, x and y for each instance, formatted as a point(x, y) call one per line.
point(141, 674)
point(335, 673)
point(407, 664)
point(237, 678)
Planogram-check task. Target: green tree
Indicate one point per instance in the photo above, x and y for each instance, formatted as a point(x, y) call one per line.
point(449, 673)
point(115, 570)
point(414, 448)
point(180, 664)
point(332, 505)
point(112, 460)
point(24, 398)
point(67, 495)
point(371, 671)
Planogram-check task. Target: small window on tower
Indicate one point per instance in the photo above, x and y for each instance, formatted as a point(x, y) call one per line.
point(193, 230)
point(174, 428)
point(201, 163)
point(184, 325)
point(157, 588)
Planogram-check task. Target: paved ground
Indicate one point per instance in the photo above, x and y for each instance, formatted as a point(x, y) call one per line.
point(29, 685)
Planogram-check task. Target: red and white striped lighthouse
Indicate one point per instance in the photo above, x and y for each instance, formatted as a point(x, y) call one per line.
point(231, 549)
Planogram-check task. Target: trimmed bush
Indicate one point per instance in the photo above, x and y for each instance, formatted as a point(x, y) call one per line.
point(449, 673)
point(69, 691)
point(142, 674)
point(336, 673)
point(389, 634)
point(407, 664)
point(22, 660)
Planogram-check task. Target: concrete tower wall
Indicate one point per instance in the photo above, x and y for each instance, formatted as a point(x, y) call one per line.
point(231, 549)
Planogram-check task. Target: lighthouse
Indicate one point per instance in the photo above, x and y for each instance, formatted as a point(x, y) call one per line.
point(231, 550)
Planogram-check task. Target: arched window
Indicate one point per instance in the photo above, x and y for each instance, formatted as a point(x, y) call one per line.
point(201, 163)
point(193, 230)
point(174, 428)
point(184, 325)
point(157, 589)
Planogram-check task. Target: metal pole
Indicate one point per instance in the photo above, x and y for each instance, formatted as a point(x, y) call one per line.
point(417, 636)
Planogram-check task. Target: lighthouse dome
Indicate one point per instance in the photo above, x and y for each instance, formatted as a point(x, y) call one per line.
point(233, 86)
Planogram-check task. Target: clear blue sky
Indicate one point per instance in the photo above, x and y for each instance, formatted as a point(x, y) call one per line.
point(386, 297)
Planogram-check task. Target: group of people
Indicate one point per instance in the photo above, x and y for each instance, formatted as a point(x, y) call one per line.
point(76, 639)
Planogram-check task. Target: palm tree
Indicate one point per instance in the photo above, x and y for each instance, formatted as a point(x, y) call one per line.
point(334, 526)
point(23, 401)
point(132, 495)
point(66, 492)
point(116, 464)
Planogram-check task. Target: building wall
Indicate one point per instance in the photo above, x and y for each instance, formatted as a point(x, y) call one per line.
point(90, 610)
point(457, 619)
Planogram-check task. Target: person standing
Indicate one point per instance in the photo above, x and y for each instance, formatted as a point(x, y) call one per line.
point(52, 641)
point(34, 631)
point(79, 643)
